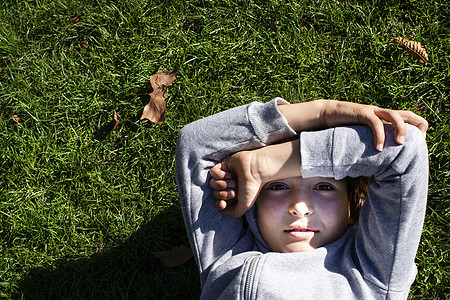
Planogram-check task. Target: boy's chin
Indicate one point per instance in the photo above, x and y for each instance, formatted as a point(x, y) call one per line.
point(297, 247)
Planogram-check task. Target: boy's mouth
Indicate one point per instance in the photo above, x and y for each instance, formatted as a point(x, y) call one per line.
point(296, 228)
point(301, 233)
point(300, 230)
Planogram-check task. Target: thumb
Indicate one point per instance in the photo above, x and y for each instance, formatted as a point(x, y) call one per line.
point(237, 209)
point(246, 198)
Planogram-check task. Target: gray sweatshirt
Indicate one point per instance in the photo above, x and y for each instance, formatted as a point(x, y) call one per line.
point(373, 259)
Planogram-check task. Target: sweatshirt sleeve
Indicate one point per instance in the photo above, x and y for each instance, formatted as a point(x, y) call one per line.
point(391, 220)
point(200, 146)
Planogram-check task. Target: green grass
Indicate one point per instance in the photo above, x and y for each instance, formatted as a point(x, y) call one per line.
point(81, 213)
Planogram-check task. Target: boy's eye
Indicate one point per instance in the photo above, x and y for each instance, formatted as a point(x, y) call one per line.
point(278, 187)
point(324, 187)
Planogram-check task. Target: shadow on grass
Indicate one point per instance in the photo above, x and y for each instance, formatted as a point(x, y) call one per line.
point(127, 271)
point(104, 130)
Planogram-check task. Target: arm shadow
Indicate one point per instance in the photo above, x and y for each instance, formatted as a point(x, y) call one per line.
point(127, 271)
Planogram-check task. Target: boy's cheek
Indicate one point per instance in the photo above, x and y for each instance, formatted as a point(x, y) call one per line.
point(336, 213)
point(265, 201)
point(267, 211)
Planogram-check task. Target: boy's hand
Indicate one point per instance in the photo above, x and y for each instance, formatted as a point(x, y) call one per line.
point(223, 185)
point(236, 182)
point(231, 200)
point(330, 113)
point(339, 113)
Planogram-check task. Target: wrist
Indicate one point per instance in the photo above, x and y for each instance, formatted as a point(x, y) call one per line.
point(277, 161)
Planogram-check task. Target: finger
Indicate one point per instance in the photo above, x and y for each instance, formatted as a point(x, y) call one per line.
point(219, 184)
point(219, 171)
point(396, 121)
point(224, 195)
point(236, 210)
point(377, 126)
point(415, 120)
point(221, 204)
point(224, 166)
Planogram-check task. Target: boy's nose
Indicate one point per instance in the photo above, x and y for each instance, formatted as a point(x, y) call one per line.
point(300, 209)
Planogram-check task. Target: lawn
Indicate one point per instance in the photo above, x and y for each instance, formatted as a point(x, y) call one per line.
point(84, 207)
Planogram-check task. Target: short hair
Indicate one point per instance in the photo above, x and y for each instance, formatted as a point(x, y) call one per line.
point(357, 194)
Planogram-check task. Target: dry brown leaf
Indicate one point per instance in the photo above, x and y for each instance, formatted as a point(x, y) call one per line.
point(156, 108)
point(115, 120)
point(97, 247)
point(76, 20)
point(101, 133)
point(175, 257)
point(273, 26)
point(84, 43)
point(16, 119)
point(414, 48)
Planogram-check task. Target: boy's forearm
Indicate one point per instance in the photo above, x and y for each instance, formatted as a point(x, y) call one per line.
point(283, 160)
point(322, 114)
point(306, 115)
point(277, 161)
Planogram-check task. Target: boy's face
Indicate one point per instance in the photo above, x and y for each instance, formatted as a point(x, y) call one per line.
point(296, 214)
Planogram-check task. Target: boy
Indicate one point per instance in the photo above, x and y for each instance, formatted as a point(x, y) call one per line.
point(300, 240)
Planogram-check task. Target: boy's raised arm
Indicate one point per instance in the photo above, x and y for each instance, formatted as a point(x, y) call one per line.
point(331, 113)
point(200, 146)
point(250, 170)
point(390, 222)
